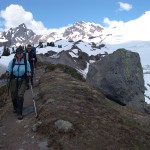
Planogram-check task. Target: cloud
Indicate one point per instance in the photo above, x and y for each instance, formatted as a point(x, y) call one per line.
point(133, 30)
point(15, 15)
point(124, 6)
point(113, 23)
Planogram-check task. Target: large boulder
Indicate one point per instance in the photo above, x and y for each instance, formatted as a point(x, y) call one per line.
point(119, 76)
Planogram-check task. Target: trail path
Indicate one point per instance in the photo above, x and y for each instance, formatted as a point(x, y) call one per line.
point(19, 135)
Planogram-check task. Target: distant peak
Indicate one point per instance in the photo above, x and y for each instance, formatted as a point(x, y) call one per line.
point(80, 22)
point(22, 25)
point(147, 12)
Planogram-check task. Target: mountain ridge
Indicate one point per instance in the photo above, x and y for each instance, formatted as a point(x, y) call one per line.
point(22, 35)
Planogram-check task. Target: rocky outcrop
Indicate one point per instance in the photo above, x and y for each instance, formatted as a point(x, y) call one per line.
point(64, 57)
point(119, 76)
point(61, 58)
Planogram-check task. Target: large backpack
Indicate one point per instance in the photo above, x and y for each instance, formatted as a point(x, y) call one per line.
point(25, 63)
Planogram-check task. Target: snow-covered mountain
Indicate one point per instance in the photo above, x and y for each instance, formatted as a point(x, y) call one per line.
point(134, 30)
point(78, 31)
point(132, 36)
point(19, 35)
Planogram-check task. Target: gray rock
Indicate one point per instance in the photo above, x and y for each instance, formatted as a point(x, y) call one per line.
point(63, 125)
point(62, 58)
point(36, 126)
point(119, 76)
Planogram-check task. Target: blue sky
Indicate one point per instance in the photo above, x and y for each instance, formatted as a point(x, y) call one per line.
point(60, 13)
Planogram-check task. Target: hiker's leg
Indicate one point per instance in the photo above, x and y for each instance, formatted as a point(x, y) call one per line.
point(20, 105)
point(27, 82)
point(13, 90)
point(20, 97)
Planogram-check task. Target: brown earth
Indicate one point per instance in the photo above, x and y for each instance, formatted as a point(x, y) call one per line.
point(98, 123)
point(20, 135)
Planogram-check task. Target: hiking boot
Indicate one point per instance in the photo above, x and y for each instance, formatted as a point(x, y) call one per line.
point(27, 86)
point(20, 117)
point(20, 105)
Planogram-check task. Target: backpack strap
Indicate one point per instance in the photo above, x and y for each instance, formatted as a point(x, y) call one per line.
point(25, 62)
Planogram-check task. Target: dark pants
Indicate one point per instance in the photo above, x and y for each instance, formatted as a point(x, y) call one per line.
point(18, 88)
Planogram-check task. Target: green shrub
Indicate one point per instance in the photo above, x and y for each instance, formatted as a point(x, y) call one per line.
point(51, 67)
point(6, 52)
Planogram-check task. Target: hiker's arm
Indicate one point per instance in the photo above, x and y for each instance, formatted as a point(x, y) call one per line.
point(28, 68)
point(9, 69)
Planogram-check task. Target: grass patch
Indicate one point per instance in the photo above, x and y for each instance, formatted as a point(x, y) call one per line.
point(66, 69)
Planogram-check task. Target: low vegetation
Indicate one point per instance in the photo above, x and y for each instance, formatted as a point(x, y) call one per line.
point(66, 69)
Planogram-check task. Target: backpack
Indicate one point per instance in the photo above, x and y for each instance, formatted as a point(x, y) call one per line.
point(34, 49)
point(25, 63)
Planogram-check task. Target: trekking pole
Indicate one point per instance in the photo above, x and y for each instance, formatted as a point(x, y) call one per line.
point(36, 115)
point(34, 71)
point(8, 86)
point(8, 79)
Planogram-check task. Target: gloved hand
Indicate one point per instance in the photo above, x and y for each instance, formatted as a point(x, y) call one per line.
point(29, 74)
point(7, 74)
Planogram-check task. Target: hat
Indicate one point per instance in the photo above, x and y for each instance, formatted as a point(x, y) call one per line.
point(29, 46)
point(19, 49)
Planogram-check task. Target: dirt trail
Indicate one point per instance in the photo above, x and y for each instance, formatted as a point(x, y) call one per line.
point(19, 135)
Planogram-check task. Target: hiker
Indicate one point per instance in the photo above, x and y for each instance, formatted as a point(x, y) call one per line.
point(18, 70)
point(31, 56)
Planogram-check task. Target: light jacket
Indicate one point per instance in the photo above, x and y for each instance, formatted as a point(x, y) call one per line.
point(18, 69)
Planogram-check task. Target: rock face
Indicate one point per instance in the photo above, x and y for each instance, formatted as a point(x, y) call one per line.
point(119, 76)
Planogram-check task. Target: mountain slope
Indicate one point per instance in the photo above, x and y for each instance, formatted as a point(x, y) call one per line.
point(87, 120)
